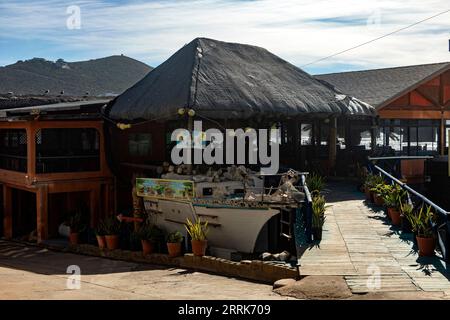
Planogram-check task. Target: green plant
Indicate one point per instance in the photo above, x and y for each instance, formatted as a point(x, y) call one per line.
point(421, 222)
point(318, 208)
point(100, 229)
point(315, 183)
point(197, 229)
point(150, 232)
point(406, 210)
point(75, 222)
point(394, 196)
point(175, 237)
point(111, 226)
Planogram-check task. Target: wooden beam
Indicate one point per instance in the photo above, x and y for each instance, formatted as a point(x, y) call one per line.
point(442, 136)
point(332, 144)
point(411, 114)
point(7, 212)
point(42, 213)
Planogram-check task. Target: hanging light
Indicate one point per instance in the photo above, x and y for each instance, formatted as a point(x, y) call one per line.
point(123, 126)
point(181, 111)
point(191, 112)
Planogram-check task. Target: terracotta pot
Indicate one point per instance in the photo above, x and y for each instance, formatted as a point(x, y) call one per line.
point(147, 246)
point(395, 216)
point(101, 241)
point(367, 192)
point(73, 238)
point(426, 246)
point(317, 233)
point(378, 199)
point(112, 242)
point(174, 249)
point(199, 247)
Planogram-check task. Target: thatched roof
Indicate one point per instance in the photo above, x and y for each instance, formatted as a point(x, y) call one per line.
point(229, 80)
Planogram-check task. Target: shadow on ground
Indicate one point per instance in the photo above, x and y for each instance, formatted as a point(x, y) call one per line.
point(43, 261)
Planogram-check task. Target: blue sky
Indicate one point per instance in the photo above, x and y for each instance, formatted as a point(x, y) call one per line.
point(299, 31)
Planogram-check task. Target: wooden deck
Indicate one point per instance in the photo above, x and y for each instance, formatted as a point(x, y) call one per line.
point(360, 244)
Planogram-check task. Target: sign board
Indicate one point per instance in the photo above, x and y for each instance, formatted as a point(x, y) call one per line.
point(165, 189)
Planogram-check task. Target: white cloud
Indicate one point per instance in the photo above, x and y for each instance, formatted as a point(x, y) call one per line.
point(298, 31)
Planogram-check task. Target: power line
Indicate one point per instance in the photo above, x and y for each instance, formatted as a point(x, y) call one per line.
point(378, 38)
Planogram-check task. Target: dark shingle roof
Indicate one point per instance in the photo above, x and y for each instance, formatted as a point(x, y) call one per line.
point(381, 86)
point(230, 80)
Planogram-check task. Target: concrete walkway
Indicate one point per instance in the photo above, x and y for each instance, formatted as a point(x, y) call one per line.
point(360, 244)
point(28, 272)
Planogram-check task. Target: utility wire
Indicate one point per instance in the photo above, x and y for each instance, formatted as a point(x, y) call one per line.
point(378, 38)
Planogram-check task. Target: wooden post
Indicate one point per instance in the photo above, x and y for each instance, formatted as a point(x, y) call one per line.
point(373, 138)
point(296, 139)
point(191, 150)
point(94, 205)
point(42, 213)
point(442, 135)
point(31, 151)
point(7, 212)
point(332, 143)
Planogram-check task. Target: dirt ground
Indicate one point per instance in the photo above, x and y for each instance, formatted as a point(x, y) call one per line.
point(36, 273)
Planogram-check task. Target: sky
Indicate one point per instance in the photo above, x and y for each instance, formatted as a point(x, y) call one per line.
point(299, 31)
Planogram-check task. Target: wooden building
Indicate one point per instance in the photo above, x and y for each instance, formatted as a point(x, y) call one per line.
point(413, 106)
point(52, 159)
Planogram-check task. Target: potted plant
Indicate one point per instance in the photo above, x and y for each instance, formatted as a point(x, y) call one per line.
point(100, 234)
point(393, 200)
point(76, 226)
point(112, 231)
point(198, 231)
point(371, 181)
point(421, 223)
point(379, 191)
point(146, 234)
point(406, 211)
point(174, 240)
point(318, 216)
point(315, 183)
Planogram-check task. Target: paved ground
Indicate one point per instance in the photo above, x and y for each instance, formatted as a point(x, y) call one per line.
point(361, 245)
point(36, 273)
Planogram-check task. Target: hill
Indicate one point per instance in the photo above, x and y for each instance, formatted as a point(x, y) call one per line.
point(99, 77)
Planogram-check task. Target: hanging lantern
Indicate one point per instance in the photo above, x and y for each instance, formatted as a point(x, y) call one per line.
point(191, 112)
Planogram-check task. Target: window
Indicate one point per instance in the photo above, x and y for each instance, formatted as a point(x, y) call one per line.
point(139, 144)
point(13, 149)
point(306, 134)
point(410, 137)
point(67, 150)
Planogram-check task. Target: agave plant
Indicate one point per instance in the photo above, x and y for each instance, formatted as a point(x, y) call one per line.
point(407, 210)
point(421, 222)
point(318, 209)
point(315, 183)
point(197, 229)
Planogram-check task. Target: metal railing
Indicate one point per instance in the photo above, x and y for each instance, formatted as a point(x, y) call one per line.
point(442, 226)
point(308, 209)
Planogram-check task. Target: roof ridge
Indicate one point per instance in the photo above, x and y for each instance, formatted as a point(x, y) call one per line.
point(388, 68)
